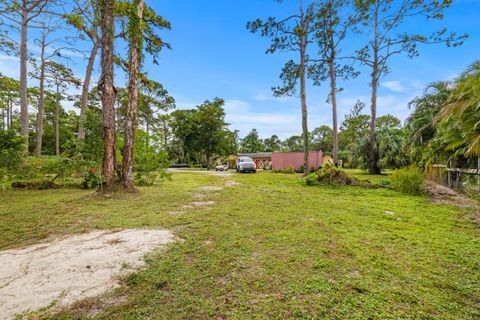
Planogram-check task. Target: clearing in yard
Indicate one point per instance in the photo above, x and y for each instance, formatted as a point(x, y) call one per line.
point(68, 269)
point(268, 247)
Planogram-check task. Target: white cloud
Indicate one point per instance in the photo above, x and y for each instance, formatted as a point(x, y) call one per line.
point(395, 86)
point(236, 106)
point(270, 97)
point(10, 66)
point(69, 105)
point(183, 103)
point(261, 119)
point(242, 116)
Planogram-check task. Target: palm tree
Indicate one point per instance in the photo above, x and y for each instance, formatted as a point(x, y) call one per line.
point(463, 106)
point(425, 144)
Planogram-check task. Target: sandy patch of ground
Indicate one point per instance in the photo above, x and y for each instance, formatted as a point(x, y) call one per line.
point(195, 204)
point(221, 173)
point(71, 268)
point(231, 183)
point(443, 195)
point(198, 195)
point(176, 212)
point(210, 188)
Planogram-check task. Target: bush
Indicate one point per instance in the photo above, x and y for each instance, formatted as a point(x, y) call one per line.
point(312, 179)
point(11, 152)
point(53, 166)
point(289, 170)
point(35, 185)
point(408, 180)
point(330, 175)
point(91, 179)
point(151, 161)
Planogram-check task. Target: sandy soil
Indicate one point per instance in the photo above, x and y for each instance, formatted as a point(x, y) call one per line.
point(443, 195)
point(71, 268)
point(196, 204)
point(231, 183)
point(210, 188)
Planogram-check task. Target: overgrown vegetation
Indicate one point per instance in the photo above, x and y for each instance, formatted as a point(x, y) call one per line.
point(408, 180)
point(11, 153)
point(288, 170)
point(329, 175)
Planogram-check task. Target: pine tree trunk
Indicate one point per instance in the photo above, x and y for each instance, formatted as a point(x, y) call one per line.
point(108, 97)
point(85, 92)
point(8, 114)
point(333, 93)
point(303, 100)
point(57, 121)
point(132, 106)
point(373, 150)
point(373, 156)
point(23, 79)
point(10, 126)
point(147, 139)
point(165, 136)
point(41, 104)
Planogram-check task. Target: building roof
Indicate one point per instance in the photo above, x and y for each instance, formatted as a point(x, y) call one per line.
point(256, 155)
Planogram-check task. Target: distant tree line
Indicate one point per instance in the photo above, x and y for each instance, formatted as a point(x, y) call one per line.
point(353, 140)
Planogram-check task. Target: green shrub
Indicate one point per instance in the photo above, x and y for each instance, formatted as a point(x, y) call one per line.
point(408, 180)
point(56, 167)
point(330, 175)
point(289, 170)
point(151, 160)
point(11, 152)
point(91, 179)
point(312, 179)
point(35, 185)
point(334, 176)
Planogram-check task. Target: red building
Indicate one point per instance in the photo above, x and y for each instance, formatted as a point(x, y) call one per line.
point(283, 160)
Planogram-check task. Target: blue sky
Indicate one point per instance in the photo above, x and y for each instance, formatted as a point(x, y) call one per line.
point(213, 55)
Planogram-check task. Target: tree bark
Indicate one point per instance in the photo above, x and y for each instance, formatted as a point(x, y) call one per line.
point(165, 136)
point(85, 92)
point(373, 156)
point(303, 100)
point(23, 79)
point(10, 113)
point(41, 103)
point(132, 106)
point(147, 138)
point(108, 96)
point(333, 93)
point(57, 121)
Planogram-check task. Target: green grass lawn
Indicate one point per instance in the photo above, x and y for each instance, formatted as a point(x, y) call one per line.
point(271, 248)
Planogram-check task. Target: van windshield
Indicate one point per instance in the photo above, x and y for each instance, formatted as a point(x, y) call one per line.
point(245, 160)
